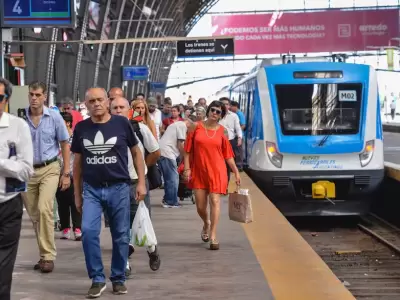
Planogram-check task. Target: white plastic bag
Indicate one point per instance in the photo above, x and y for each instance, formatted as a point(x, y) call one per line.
point(142, 228)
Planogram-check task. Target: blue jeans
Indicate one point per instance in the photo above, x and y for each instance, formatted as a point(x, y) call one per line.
point(115, 201)
point(169, 170)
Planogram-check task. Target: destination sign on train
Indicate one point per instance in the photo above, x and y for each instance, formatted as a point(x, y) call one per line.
point(37, 13)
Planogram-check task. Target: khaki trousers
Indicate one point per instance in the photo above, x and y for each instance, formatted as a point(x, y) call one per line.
point(39, 203)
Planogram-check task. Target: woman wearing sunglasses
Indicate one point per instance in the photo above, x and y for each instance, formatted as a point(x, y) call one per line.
point(207, 148)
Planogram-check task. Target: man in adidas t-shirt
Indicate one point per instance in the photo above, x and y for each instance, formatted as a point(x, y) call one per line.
point(101, 164)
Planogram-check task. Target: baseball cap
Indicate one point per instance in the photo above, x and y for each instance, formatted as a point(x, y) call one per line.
point(151, 101)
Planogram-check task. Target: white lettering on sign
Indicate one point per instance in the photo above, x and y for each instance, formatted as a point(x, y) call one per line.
point(201, 47)
point(17, 8)
point(276, 32)
point(349, 96)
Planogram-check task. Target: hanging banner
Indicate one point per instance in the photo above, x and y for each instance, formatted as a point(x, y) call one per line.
point(390, 59)
point(323, 31)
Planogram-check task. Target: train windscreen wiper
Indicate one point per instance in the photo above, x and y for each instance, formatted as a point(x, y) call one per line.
point(330, 132)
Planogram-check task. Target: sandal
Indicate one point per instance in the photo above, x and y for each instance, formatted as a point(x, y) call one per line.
point(205, 237)
point(214, 244)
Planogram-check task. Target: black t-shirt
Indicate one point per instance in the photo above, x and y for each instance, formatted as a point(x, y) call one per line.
point(103, 147)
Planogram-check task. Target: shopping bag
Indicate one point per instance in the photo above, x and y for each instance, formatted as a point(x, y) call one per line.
point(240, 209)
point(142, 228)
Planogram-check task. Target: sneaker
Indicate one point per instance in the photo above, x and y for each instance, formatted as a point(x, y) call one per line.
point(119, 288)
point(176, 206)
point(154, 260)
point(96, 290)
point(78, 234)
point(131, 250)
point(66, 234)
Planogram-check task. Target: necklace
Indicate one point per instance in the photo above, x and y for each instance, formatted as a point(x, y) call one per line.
point(215, 131)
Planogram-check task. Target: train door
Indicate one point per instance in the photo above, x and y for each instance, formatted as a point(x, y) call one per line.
point(249, 123)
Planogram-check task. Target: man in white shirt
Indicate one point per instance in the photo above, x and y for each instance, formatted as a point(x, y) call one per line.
point(120, 106)
point(232, 124)
point(16, 167)
point(171, 145)
point(155, 114)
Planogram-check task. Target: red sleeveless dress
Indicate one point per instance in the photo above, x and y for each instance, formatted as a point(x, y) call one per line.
point(209, 149)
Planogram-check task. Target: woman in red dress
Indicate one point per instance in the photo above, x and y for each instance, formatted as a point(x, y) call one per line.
point(207, 148)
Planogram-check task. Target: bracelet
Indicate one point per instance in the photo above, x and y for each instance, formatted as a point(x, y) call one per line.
point(186, 170)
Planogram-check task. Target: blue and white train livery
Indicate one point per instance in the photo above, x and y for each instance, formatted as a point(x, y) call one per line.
point(314, 135)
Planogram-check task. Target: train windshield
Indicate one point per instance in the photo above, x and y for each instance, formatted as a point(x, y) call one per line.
point(319, 109)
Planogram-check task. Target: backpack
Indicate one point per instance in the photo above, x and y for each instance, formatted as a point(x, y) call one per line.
point(153, 173)
point(136, 129)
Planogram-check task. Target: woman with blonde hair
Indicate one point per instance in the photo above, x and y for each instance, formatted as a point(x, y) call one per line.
point(142, 114)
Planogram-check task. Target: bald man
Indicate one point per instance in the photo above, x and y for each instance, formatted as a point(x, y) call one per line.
point(115, 92)
point(149, 145)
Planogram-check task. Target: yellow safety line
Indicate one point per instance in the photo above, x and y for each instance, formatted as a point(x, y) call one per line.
point(291, 267)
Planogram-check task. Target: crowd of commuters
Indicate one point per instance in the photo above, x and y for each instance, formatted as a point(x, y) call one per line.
point(105, 164)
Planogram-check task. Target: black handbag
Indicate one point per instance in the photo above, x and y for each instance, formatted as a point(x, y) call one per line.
point(154, 177)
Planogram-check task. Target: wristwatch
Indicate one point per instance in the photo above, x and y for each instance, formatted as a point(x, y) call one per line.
point(66, 174)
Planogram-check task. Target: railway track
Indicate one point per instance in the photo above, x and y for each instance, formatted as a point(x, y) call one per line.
point(364, 253)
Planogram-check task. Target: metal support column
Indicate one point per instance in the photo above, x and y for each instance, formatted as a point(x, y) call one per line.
point(80, 51)
point(172, 30)
point(50, 63)
point(155, 25)
point(161, 59)
point(100, 46)
point(136, 87)
point(114, 46)
point(159, 45)
point(128, 32)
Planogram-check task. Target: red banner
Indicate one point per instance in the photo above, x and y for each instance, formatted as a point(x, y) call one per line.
point(324, 31)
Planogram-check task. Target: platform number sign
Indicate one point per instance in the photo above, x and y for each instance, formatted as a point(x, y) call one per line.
point(17, 8)
point(348, 96)
point(37, 13)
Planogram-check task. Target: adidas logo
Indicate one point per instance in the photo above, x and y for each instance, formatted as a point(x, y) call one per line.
point(99, 147)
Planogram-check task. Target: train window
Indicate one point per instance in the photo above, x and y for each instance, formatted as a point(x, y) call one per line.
point(319, 109)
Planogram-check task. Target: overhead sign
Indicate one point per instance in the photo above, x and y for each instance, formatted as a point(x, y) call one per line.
point(156, 86)
point(131, 73)
point(205, 48)
point(37, 13)
point(322, 31)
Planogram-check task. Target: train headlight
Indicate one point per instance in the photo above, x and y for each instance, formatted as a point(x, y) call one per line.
point(368, 153)
point(274, 156)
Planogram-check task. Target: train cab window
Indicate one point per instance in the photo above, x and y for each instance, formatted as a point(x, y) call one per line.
point(319, 109)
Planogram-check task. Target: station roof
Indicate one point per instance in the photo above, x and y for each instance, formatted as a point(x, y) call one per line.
point(144, 19)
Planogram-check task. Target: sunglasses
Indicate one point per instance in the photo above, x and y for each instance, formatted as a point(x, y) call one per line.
point(2, 97)
point(216, 111)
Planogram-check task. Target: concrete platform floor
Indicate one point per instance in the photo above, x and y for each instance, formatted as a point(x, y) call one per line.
point(188, 269)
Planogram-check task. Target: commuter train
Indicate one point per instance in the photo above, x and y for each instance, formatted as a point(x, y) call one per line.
point(313, 140)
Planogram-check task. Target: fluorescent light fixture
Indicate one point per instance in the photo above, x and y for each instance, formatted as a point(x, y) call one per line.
point(154, 49)
point(37, 30)
point(166, 19)
point(166, 68)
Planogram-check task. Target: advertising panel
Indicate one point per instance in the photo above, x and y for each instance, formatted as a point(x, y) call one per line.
point(323, 31)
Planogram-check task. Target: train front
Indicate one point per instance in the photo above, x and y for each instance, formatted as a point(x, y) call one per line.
point(321, 135)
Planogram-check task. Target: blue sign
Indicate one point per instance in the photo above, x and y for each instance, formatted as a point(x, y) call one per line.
point(130, 73)
point(37, 13)
point(157, 86)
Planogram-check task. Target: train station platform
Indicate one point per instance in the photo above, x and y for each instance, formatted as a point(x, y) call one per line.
point(266, 259)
